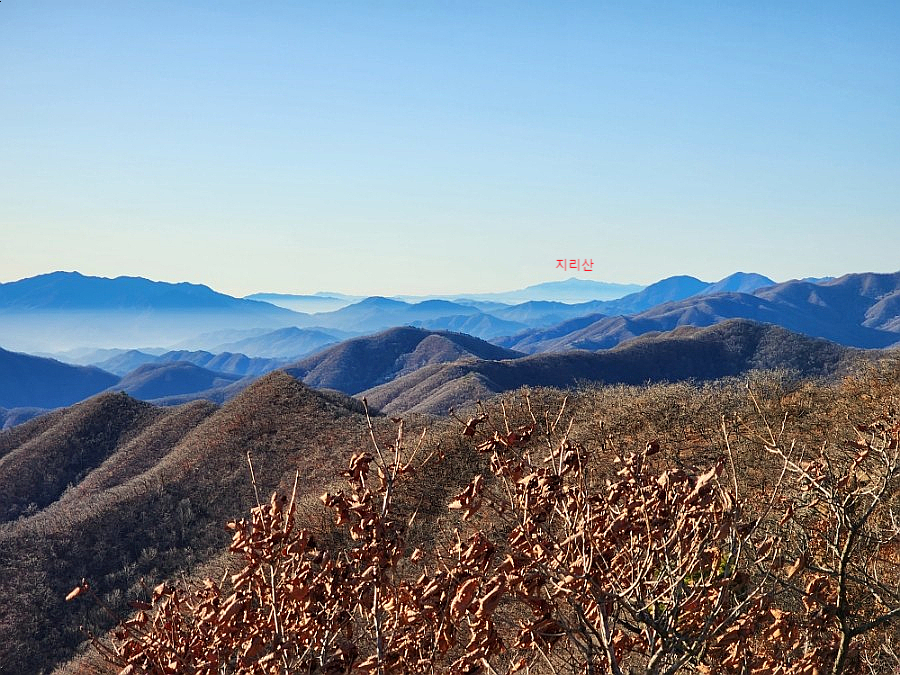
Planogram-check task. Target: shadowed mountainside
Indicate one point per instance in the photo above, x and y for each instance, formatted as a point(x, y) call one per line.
point(665, 290)
point(32, 381)
point(730, 348)
point(362, 363)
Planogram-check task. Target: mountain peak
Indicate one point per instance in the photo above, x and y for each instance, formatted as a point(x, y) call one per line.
point(380, 301)
point(739, 282)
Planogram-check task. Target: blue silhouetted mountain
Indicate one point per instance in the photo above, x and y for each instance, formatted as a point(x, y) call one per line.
point(364, 362)
point(74, 291)
point(126, 361)
point(33, 381)
point(283, 343)
point(377, 313)
point(572, 290)
point(62, 310)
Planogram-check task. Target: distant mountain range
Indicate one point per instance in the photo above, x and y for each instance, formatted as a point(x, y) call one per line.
point(572, 290)
point(56, 312)
point(379, 342)
point(62, 310)
point(861, 310)
point(307, 304)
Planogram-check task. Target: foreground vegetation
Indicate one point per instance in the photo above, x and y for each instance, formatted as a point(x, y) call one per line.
point(739, 527)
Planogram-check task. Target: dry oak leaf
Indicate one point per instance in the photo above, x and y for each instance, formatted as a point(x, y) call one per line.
point(470, 498)
point(797, 567)
point(463, 598)
point(472, 424)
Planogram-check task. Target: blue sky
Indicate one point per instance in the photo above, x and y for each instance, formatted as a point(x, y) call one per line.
point(430, 147)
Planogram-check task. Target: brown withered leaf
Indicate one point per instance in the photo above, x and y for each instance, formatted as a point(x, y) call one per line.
point(463, 598)
point(797, 567)
point(469, 499)
point(488, 602)
point(472, 424)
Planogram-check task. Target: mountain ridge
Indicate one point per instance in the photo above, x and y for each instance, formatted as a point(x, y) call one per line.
point(360, 363)
point(726, 349)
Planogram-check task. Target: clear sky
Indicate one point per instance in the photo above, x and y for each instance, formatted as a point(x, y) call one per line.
point(427, 147)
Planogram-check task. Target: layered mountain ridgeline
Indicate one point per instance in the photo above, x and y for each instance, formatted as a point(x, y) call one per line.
point(484, 316)
point(482, 325)
point(376, 313)
point(858, 310)
point(285, 343)
point(58, 311)
point(31, 385)
point(730, 348)
point(362, 363)
point(63, 310)
point(60, 307)
point(487, 319)
point(230, 363)
point(116, 490)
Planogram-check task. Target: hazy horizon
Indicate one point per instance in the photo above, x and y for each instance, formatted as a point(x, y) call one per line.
point(447, 148)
